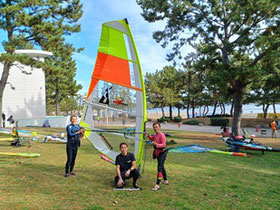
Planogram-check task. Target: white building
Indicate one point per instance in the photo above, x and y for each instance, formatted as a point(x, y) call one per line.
point(25, 94)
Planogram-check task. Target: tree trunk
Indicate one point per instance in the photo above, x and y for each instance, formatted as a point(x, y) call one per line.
point(57, 112)
point(236, 121)
point(265, 108)
point(188, 110)
point(224, 109)
point(274, 109)
point(215, 106)
point(57, 98)
point(179, 112)
point(207, 110)
point(199, 111)
point(231, 109)
point(203, 111)
point(162, 111)
point(3, 82)
point(170, 112)
point(221, 107)
point(193, 115)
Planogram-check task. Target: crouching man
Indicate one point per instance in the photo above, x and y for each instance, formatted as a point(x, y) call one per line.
point(126, 167)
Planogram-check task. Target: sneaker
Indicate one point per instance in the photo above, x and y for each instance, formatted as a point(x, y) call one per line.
point(137, 187)
point(73, 173)
point(66, 175)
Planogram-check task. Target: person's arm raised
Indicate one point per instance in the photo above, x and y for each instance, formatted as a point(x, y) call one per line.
point(149, 136)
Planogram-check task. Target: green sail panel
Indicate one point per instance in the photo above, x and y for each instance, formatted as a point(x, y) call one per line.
point(112, 43)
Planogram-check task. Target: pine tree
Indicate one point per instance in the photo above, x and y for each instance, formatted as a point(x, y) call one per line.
point(234, 35)
point(34, 24)
point(60, 82)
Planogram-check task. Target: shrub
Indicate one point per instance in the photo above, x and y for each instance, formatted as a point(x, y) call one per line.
point(269, 115)
point(167, 119)
point(218, 116)
point(178, 119)
point(163, 119)
point(219, 121)
point(191, 122)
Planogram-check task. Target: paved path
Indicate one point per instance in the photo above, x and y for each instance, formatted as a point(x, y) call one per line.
point(206, 129)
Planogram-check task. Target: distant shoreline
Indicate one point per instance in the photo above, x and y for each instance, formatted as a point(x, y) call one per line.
point(251, 110)
point(156, 115)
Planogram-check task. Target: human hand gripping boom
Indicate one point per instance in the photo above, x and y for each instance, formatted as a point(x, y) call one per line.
point(82, 132)
point(146, 133)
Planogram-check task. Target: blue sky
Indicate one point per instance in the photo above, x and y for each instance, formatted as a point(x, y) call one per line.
point(152, 55)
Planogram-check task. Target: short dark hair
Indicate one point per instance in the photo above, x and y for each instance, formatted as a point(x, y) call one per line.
point(123, 143)
point(73, 116)
point(156, 123)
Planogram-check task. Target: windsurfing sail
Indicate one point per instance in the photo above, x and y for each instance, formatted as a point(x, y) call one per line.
point(197, 149)
point(52, 138)
point(236, 145)
point(246, 142)
point(116, 99)
point(19, 133)
point(29, 155)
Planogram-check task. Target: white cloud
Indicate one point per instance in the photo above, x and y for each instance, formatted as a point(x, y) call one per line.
point(84, 58)
point(81, 82)
point(83, 91)
point(151, 55)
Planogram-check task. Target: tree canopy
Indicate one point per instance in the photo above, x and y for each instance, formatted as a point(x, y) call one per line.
point(36, 24)
point(229, 38)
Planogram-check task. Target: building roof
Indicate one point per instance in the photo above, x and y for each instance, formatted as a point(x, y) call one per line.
point(35, 53)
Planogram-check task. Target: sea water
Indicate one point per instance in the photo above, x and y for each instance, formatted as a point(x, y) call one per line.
point(246, 109)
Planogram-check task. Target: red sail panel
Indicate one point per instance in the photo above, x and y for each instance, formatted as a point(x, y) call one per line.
point(93, 83)
point(112, 69)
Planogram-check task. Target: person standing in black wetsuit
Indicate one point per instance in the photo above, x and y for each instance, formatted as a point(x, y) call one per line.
point(74, 133)
point(3, 119)
point(126, 167)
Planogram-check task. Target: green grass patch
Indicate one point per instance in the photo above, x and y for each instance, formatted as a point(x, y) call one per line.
point(197, 181)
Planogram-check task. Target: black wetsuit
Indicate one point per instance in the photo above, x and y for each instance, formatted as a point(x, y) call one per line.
point(3, 118)
point(161, 169)
point(73, 143)
point(125, 163)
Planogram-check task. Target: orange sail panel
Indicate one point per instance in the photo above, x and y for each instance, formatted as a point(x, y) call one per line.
point(93, 83)
point(112, 69)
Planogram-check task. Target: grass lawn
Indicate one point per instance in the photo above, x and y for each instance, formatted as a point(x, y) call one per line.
point(197, 181)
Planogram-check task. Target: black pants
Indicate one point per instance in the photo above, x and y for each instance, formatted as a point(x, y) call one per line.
point(71, 151)
point(161, 170)
point(134, 174)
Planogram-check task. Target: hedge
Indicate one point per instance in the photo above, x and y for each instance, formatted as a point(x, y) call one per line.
point(191, 122)
point(269, 115)
point(219, 121)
